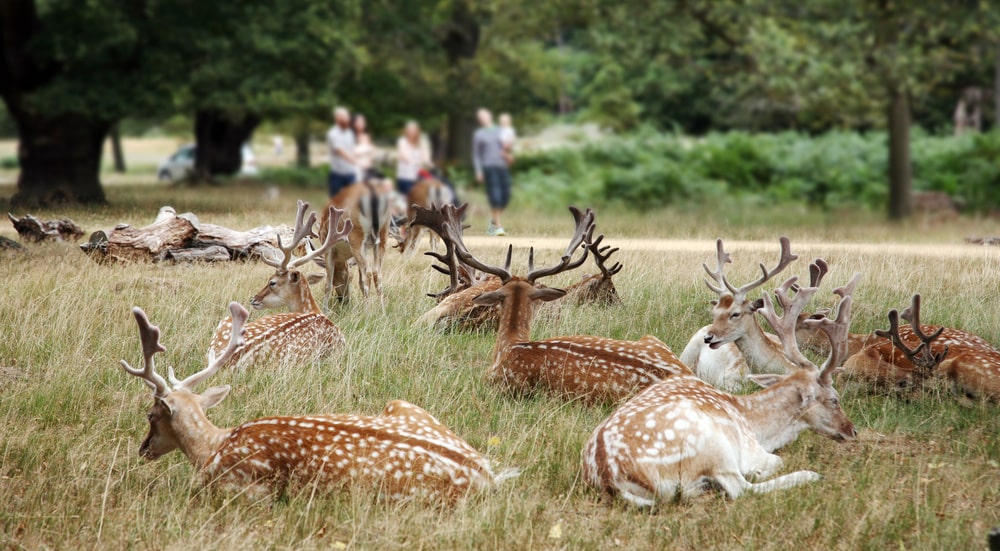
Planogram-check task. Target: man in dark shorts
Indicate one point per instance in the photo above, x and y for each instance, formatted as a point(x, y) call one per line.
point(490, 161)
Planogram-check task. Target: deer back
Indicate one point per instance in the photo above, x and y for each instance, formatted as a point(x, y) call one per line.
point(288, 338)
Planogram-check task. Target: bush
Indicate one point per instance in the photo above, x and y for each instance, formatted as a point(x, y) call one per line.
point(9, 163)
point(312, 177)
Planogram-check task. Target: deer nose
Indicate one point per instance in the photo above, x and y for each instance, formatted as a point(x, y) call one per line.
point(709, 338)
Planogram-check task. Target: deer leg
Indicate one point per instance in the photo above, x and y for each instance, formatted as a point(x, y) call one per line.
point(378, 252)
point(784, 482)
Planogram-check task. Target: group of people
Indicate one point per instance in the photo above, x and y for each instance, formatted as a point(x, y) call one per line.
point(352, 156)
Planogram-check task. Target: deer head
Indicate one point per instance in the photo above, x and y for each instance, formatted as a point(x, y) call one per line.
point(177, 418)
point(435, 219)
point(288, 286)
point(733, 313)
point(922, 357)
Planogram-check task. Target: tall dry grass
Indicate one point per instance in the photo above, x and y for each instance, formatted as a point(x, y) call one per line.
point(923, 474)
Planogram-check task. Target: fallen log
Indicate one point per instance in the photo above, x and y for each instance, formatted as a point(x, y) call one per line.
point(33, 230)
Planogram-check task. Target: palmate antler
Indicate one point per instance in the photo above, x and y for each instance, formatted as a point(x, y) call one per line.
point(602, 254)
point(303, 230)
point(149, 335)
point(722, 283)
point(436, 219)
point(922, 356)
point(837, 329)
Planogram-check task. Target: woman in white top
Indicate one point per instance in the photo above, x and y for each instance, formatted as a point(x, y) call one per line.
point(410, 157)
point(364, 150)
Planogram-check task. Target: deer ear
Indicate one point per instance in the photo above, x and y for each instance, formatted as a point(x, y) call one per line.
point(293, 277)
point(214, 396)
point(313, 279)
point(756, 305)
point(489, 299)
point(546, 294)
point(765, 380)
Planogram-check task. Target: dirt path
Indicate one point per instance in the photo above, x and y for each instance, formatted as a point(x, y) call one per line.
point(957, 250)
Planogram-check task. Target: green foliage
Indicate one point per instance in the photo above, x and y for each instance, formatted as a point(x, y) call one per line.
point(296, 177)
point(833, 170)
point(9, 163)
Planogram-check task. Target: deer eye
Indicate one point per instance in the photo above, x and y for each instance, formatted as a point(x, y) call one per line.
point(273, 283)
point(149, 417)
point(734, 315)
point(835, 402)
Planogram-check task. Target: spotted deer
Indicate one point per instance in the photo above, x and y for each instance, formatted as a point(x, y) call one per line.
point(666, 441)
point(401, 453)
point(426, 193)
point(598, 288)
point(906, 355)
point(735, 344)
point(580, 367)
point(304, 332)
point(368, 211)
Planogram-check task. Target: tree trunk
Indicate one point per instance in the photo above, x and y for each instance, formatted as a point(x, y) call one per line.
point(996, 92)
point(900, 174)
point(460, 40)
point(60, 158)
point(116, 149)
point(302, 149)
point(219, 139)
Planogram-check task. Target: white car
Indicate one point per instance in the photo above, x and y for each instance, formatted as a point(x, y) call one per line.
point(181, 164)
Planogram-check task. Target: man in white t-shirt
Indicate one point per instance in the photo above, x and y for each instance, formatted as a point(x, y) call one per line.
point(340, 141)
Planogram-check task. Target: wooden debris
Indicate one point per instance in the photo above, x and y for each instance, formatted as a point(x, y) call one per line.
point(10, 244)
point(983, 240)
point(33, 230)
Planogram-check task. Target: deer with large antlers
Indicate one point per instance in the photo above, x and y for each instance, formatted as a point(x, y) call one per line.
point(368, 210)
point(591, 369)
point(597, 288)
point(904, 356)
point(670, 438)
point(403, 452)
point(426, 193)
point(304, 332)
point(710, 352)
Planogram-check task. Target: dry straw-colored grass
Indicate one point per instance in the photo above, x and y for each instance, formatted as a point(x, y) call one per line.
point(923, 473)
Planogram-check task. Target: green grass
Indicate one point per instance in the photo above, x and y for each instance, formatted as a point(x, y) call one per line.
point(923, 474)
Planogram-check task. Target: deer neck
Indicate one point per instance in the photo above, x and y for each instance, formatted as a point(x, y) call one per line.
point(515, 323)
point(306, 302)
point(196, 436)
point(761, 352)
point(773, 414)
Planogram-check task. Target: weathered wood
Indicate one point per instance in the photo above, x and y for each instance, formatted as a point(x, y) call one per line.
point(150, 243)
point(10, 244)
point(31, 229)
point(983, 240)
point(212, 253)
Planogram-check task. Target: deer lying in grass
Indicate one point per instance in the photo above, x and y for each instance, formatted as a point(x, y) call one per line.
point(591, 369)
point(368, 211)
point(677, 433)
point(304, 332)
point(597, 288)
point(710, 352)
point(426, 194)
point(905, 356)
point(403, 452)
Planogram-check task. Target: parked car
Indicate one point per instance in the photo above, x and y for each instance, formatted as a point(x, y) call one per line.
point(181, 164)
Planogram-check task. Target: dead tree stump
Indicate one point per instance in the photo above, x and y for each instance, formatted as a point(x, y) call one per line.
point(33, 230)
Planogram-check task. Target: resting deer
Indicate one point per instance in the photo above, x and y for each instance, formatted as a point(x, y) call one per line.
point(304, 332)
point(675, 434)
point(592, 369)
point(368, 211)
point(426, 193)
point(970, 363)
point(455, 308)
point(598, 288)
point(403, 452)
point(710, 352)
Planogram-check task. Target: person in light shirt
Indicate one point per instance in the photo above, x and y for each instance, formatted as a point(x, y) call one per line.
point(364, 149)
point(341, 144)
point(411, 157)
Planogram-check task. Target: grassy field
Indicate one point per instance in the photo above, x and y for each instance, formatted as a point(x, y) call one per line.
point(923, 474)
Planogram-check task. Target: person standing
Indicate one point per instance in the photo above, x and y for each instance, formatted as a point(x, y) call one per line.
point(411, 157)
point(364, 149)
point(492, 167)
point(341, 143)
point(508, 135)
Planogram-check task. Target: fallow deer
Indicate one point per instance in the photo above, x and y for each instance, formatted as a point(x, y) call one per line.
point(666, 441)
point(304, 332)
point(368, 211)
point(970, 363)
point(598, 288)
point(403, 452)
point(735, 344)
point(426, 193)
point(591, 369)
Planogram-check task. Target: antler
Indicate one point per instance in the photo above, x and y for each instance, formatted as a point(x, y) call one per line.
point(149, 335)
point(784, 325)
point(584, 226)
point(453, 230)
point(435, 220)
point(922, 356)
point(602, 254)
point(722, 258)
point(240, 315)
point(335, 231)
point(786, 258)
point(303, 229)
point(837, 329)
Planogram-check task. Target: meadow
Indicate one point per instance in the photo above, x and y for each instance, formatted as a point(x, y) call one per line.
point(924, 472)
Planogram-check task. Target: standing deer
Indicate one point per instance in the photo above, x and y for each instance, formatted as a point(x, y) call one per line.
point(598, 288)
point(970, 363)
point(304, 332)
point(675, 434)
point(591, 369)
point(710, 352)
point(368, 211)
point(403, 452)
point(427, 193)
